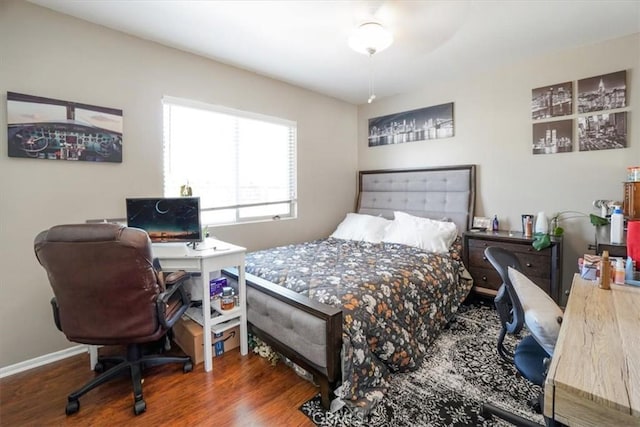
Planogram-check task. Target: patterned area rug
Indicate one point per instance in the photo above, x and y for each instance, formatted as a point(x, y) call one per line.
point(461, 371)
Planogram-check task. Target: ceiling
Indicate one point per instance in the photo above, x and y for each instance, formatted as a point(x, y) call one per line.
point(305, 42)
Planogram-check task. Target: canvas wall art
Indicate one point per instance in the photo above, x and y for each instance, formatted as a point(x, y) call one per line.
point(553, 137)
point(552, 101)
point(45, 128)
point(602, 131)
point(417, 125)
point(605, 92)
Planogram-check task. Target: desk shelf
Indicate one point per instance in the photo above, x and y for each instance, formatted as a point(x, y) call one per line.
point(219, 328)
point(223, 315)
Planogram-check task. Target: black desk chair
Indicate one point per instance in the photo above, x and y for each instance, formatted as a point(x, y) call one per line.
point(519, 302)
point(107, 292)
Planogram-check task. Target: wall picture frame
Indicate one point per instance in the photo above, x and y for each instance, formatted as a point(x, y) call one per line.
point(603, 131)
point(604, 92)
point(552, 137)
point(416, 125)
point(481, 223)
point(552, 101)
point(51, 129)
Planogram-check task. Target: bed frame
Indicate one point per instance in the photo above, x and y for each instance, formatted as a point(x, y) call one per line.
point(310, 333)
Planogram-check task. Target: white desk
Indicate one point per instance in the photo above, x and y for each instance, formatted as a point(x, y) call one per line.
point(221, 255)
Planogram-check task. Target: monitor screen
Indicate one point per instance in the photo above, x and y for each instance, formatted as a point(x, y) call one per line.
point(166, 219)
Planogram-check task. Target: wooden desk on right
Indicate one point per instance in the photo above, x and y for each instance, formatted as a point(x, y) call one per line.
point(594, 376)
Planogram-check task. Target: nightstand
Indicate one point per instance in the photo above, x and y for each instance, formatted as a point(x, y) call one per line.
point(543, 267)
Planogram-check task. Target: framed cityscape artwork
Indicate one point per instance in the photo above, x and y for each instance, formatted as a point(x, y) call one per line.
point(603, 131)
point(44, 128)
point(599, 123)
point(417, 125)
point(606, 92)
point(552, 101)
point(553, 137)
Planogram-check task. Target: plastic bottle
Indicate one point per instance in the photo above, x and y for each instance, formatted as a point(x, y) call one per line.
point(619, 276)
point(605, 271)
point(495, 224)
point(628, 270)
point(617, 226)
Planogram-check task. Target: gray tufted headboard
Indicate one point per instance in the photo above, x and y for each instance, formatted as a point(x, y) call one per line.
point(446, 192)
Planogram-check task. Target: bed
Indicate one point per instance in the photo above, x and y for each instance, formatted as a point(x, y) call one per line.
point(352, 311)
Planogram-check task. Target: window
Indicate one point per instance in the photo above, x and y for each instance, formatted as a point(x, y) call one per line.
point(240, 164)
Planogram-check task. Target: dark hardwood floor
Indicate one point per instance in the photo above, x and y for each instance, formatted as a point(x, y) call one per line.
point(240, 391)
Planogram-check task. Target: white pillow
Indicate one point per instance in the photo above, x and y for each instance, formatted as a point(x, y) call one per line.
point(424, 233)
point(541, 313)
point(367, 228)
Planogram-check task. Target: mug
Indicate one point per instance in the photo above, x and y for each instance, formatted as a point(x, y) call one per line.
point(527, 225)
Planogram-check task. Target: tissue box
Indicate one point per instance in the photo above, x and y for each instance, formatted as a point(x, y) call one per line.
point(216, 285)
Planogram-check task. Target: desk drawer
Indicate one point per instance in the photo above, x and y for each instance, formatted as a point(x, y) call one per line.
point(187, 264)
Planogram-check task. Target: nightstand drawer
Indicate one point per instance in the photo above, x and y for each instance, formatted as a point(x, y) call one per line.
point(477, 258)
point(486, 278)
point(544, 267)
point(517, 248)
point(533, 263)
point(489, 278)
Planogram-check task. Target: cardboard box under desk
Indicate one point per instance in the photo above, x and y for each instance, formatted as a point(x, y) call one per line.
point(188, 335)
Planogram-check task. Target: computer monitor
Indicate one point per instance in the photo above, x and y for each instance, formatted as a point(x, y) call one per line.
point(166, 219)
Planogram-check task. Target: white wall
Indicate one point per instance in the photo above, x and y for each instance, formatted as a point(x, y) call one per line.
point(493, 129)
point(47, 54)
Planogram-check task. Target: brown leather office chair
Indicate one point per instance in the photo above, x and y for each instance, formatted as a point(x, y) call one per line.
point(107, 292)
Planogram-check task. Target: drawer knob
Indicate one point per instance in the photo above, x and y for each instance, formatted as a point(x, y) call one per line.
point(484, 258)
point(484, 278)
point(528, 264)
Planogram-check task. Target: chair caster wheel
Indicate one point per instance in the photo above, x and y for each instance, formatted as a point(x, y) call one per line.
point(139, 407)
point(188, 367)
point(73, 406)
point(99, 368)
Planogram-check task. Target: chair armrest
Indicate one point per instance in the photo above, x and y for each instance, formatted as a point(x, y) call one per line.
point(56, 313)
point(174, 296)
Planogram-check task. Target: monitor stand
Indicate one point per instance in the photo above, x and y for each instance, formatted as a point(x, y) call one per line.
point(169, 250)
point(204, 245)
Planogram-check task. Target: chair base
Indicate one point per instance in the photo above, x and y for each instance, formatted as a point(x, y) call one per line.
point(132, 364)
point(488, 410)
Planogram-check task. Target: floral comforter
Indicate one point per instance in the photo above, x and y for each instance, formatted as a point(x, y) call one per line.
point(395, 299)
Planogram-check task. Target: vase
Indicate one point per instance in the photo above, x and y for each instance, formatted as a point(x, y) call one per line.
point(542, 225)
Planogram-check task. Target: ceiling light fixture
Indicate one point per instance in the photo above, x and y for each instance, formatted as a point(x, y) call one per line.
point(369, 39)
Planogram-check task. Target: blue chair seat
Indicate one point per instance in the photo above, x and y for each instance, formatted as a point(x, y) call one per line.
point(529, 360)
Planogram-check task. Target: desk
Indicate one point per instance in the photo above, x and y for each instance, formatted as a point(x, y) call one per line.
point(594, 376)
point(206, 261)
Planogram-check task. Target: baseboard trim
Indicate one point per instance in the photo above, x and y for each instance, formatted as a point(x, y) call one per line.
point(43, 360)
